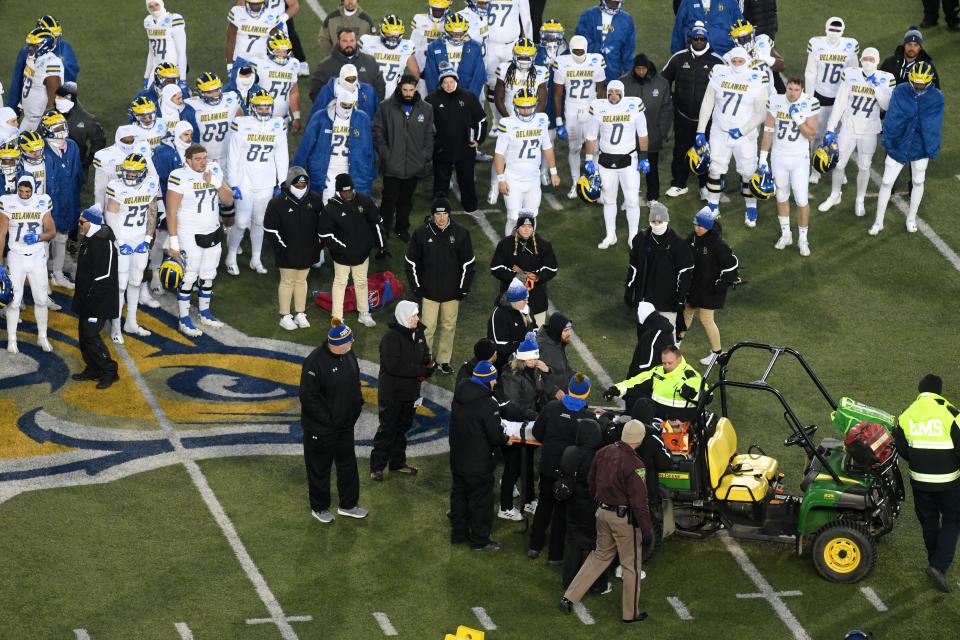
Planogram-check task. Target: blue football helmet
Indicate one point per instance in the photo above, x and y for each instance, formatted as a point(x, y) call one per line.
point(588, 188)
point(6, 289)
point(762, 186)
point(40, 42)
point(825, 157)
point(699, 159)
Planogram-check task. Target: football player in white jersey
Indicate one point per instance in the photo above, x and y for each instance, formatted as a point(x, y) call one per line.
point(790, 124)
point(427, 27)
point(763, 57)
point(26, 225)
point(578, 79)
point(42, 76)
point(31, 159)
point(249, 27)
point(144, 114)
point(862, 95)
point(513, 76)
point(166, 40)
point(215, 111)
point(194, 194)
point(278, 75)
point(393, 53)
point(620, 127)
point(827, 56)
point(256, 164)
point(524, 139)
point(477, 15)
point(131, 212)
point(108, 162)
point(736, 99)
point(508, 20)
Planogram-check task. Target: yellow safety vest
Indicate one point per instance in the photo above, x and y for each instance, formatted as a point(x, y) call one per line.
point(666, 386)
point(926, 424)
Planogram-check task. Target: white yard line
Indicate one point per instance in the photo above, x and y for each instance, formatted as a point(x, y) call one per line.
point(270, 620)
point(682, 612)
point(781, 594)
point(81, 634)
point(210, 499)
point(553, 201)
point(184, 631)
point(385, 624)
point(485, 620)
point(583, 614)
point(874, 599)
point(317, 9)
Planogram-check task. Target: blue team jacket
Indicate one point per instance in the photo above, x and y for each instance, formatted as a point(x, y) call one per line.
point(314, 151)
point(64, 181)
point(912, 125)
point(722, 16)
point(165, 160)
point(618, 47)
point(367, 99)
point(187, 114)
point(71, 69)
point(471, 73)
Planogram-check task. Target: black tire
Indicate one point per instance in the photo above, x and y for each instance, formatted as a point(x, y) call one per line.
point(844, 552)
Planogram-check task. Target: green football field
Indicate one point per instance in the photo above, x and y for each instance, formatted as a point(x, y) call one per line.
point(174, 505)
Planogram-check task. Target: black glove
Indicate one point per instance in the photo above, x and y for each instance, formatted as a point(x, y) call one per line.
point(611, 393)
point(383, 254)
point(687, 392)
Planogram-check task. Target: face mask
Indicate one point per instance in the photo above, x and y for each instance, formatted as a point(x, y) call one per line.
point(298, 192)
point(578, 59)
point(658, 228)
point(244, 83)
point(64, 105)
point(833, 37)
point(741, 69)
point(343, 114)
point(869, 67)
point(180, 145)
point(526, 310)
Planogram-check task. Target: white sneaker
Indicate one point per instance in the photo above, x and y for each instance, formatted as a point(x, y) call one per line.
point(607, 242)
point(301, 320)
point(572, 194)
point(814, 177)
point(61, 281)
point(12, 346)
point(784, 242)
point(44, 344)
point(829, 203)
point(116, 336)
point(53, 306)
point(911, 225)
point(875, 229)
point(259, 268)
point(704, 192)
point(156, 287)
point(357, 512)
point(676, 192)
point(804, 248)
point(367, 320)
point(287, 323)
point(492, 197)
point(531, 507)
point(148, 300)
point(859, 210)
point(710, 357)
point(232, 267)
point(136, 330)
point(618, 572)
point(750, 223)
point(513, 514)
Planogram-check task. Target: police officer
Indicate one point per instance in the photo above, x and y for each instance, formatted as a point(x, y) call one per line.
point(928, 438)
point(674, 386)
point(330, 404)
point(617, 482)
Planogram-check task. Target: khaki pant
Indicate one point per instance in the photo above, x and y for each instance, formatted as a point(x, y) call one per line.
point(709, 324)
point(293, 285)
point(341, 274)
point(614, 536)
point(442, 315)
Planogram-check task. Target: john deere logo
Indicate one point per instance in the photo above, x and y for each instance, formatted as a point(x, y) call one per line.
point(225, 394)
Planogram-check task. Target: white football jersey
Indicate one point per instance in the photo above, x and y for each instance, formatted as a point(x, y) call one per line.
point(787, 139)
point(33, 96)
point(339, 152)
point(424, 31)
point(199, 210)
point(213, 121)
point(258, 157)
point(522, 143)
point(507, 18)
point(531, 79)
point(392, 62)
point(865, 99)
point(38, 171)
point(160, 40)
point(831, 60)
point(735, 95)
point(579, 80)
point(617, 126)
point(252, 33)
point(155, 134)
point(25, 216)
point(760, 51)
point(108, 162)
point(129, 223)
point(278, 80)
point(479, 27)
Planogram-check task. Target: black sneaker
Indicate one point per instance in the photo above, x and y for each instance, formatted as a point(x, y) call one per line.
point(565, 605)
point(445, 368)
point(490, 546)
point(939, 580)
point(107, 381)
point(86, 374)
point(640, 617)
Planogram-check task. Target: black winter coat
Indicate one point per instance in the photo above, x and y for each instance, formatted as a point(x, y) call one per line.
point(350, 229)
point(660, 271)
point(524, 389)
point(368, 71)
point(440, 262)
point(689, 76)
point(330, 398)
point(475, 431)
point(654, 90)
point(95, 295)
point(556, 429)
point(293, 226)
point(715, 268)
point(762, 14)
point(507, 328)
point(86, 132)
point(554, 354)
point(653, 336)
point(898, 65)
point(533, 255)
point(509, 410)
point(458, 118)
point(575, 467)
point(404, 142)
point(403, 364)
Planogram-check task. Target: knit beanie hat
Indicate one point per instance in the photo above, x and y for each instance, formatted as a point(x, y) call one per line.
point(704, 218)
point(93, 215)
point(579, 386)
point(931, 383)
point(484, 373)
point(913, 35)
point(343, 182)
point(660, 214)
point(484, 349)
point(339, 333)
point(529, 349)
point(517, 291)
point(633, 432)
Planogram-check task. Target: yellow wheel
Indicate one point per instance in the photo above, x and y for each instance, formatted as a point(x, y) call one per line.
point(841, 555)
point(844, 552)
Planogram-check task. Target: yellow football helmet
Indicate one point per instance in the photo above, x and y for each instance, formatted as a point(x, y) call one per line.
point(742, 32)
point(171, 273)
point(133, 170)
point(456, 27)
point(437, 9)
point(524, 51)
point(261, 105)
point(391, 31)
point(524, 104)
point(921, 73)
point(165, 73)
point(143, 111)
point(51, 24)
point(275, 44)
point(39, 42)
point(31, 147)
point(53, 125)
point(210, 87)
point(9, 158)
point(551, 37)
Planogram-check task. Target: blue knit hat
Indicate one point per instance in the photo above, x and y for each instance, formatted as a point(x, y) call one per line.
point(516, 292)
point(484, 373)
point(704, 218)
point(339, 334)
point(93, 215)
point(579, 386)
point(529, 349)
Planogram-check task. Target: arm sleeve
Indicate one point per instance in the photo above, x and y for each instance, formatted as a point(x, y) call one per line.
point(900, 439)
point(325, 40)
point(282, 158)
point(640, 378)
point(180, 42)
point(492, 430)
point(630, 46)
point(429, 134)
point(148, 70)
point(501, 263)
point(412, 260)
point(271, 220)
point(526, 23)
point(810, 71)
point(548, 263)
point(728, 262)
point(706, 107)
point(540, 427)
point(233, 155)
point(839, 106)
point(683, 258)
point(380, 135)
point(665, 125)
point(759, 112)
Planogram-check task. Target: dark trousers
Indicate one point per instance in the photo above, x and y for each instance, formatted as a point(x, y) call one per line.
point(684, 133)
point(536, 18)
point(320, 452)
point(931, 11)
point(397, 196)
point(552, 514)
point(471, 509)
point(96, 356)
point(653, 178)
point(443, 170)
point(512, 457)
point(298, 51)
point(939, 516)
point(390, 441)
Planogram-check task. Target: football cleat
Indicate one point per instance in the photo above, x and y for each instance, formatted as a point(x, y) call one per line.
point(825, 158)
point(261, 105)
point(456, 27)
point(144, 112)
point(6, 289)
point(133, 171)
point(762, 186)
point(210, 88)
point(171, 273)
point(40, 42)
point(524, 104)
point(832, 201)
point(207, 318)
point(699, 159)
point(187, 328)
point(784, 241)
point(588, 188)
point(391, 31)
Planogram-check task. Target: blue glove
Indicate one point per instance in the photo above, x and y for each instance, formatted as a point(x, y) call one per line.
point(793, 109)
point(237, 195)
point(562, 132)
point(700, 140)
point(590, 167)
point(277, 191)
point(2, 271)
point(874, 80)
point(31, 238)
point(143, 247)
point(735, 133)
point(126, 250)
point(146, 82)
point(829, 137)
point(643, 166)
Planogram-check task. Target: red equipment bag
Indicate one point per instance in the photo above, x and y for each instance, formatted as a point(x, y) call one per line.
point(382, 289)
point(869, 444)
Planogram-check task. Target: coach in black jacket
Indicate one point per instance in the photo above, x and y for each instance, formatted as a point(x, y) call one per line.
point(762, 14)
point(527, 257)
point(475, 435)
point(83, 128)
point(95, 297)
point(403, 134)
point(330, 404)
point(644, 82)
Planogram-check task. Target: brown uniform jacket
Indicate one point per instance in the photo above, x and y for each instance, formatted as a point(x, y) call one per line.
point(618, 477)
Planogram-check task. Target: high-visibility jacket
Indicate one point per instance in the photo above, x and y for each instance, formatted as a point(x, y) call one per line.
point(679, 388)
point(928, 437)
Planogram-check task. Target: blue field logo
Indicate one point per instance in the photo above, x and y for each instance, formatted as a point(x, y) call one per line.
point(223, 394)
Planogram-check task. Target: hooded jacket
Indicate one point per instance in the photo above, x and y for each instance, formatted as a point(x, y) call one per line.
point(330, 398)
point(95, 295)
point(533, 255)
point(458, 117)
point(404, 142)
point(315, 149)
point(508, 328)
point(367, 99)
point(556, 429)
point(553, 353)
point(165, 160)
point(689, 76)
point(368, 71)
point(715, 269)
point(524, 390)
point(64, 181)
point(440, 262)
point(654, 335)
point(293, 226)
point(575, 467)
point(913, 123)
point(403, 363)
point(899, 66)
point(659, 271)
point(350, 229)
point(721, 17)
point(654, 90)
point(86, 132)
point(619, 44)
point(475, 431)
